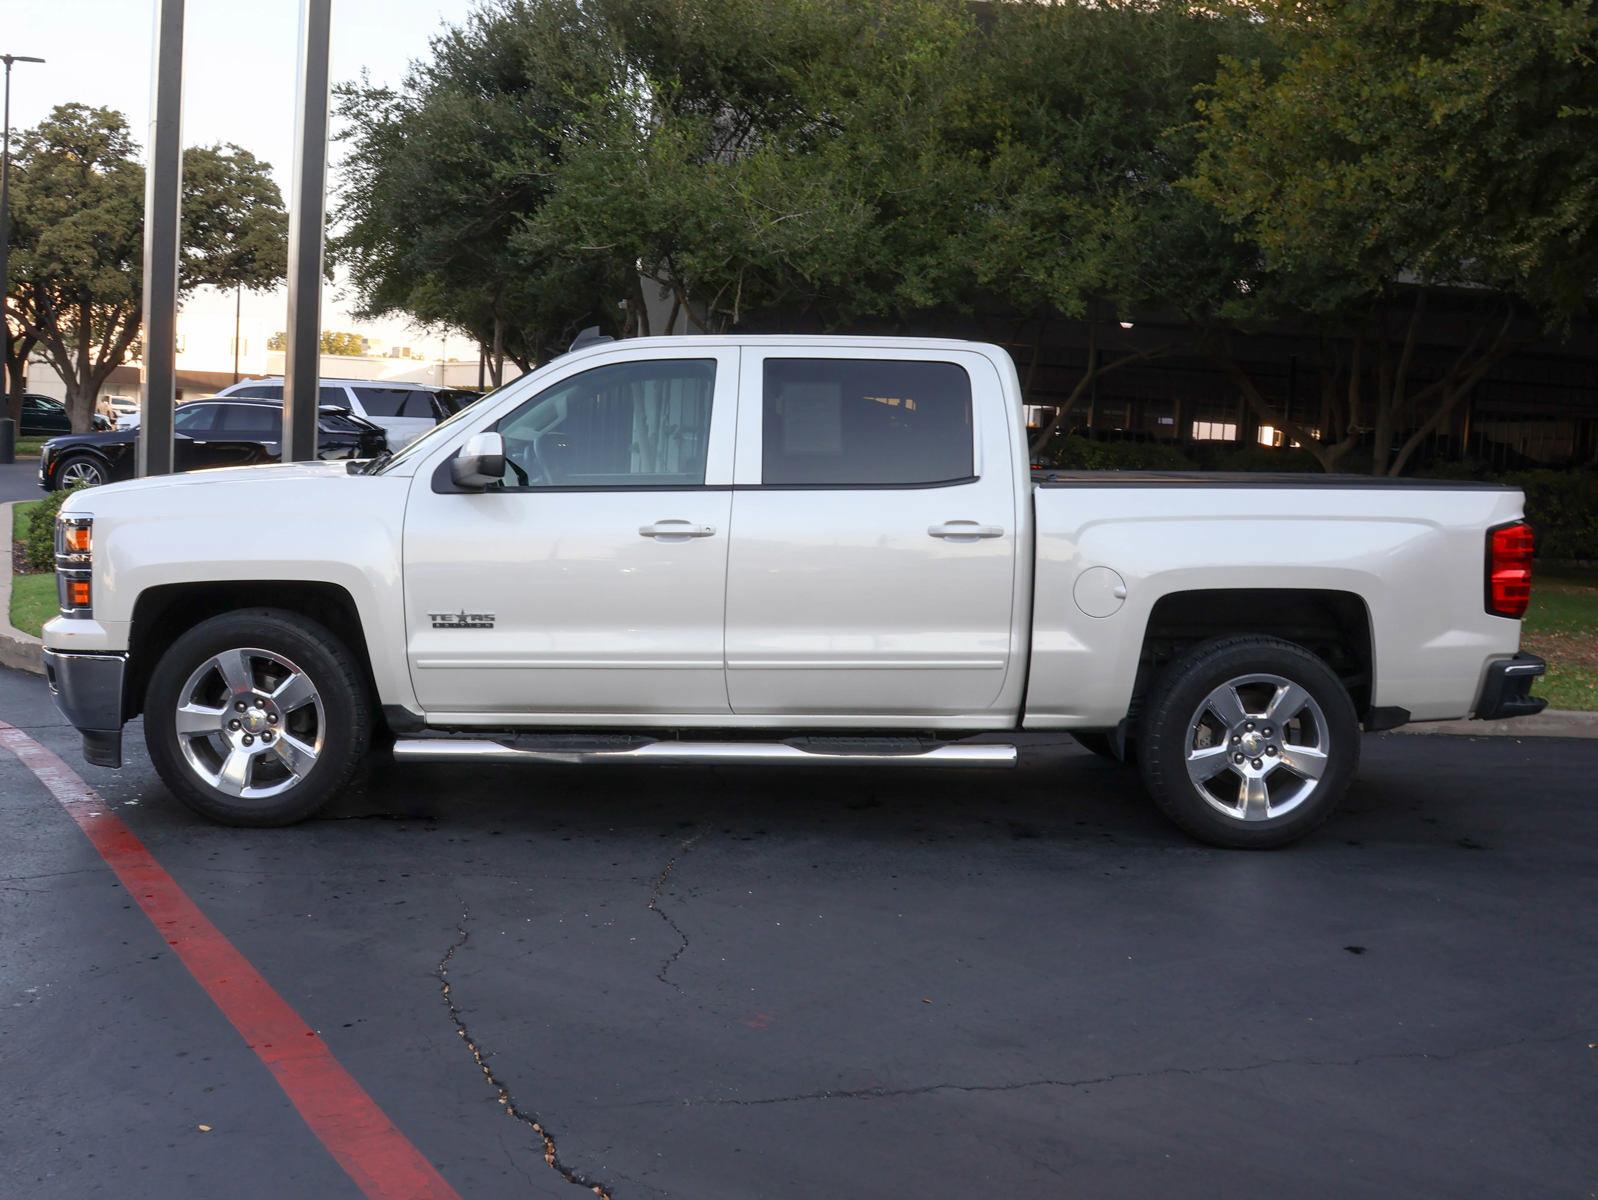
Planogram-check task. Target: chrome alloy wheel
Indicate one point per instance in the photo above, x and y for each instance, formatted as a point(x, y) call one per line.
point(1257, 747)
point(249, 723)
point(78, 472)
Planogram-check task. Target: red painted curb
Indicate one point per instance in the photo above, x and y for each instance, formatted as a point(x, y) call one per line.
point(373, 1152)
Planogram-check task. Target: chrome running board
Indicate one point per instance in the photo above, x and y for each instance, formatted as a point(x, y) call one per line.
point(816, 752)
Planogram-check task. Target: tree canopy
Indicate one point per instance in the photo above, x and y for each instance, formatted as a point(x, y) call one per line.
point(828, 163)
point(1400, 149)
point(78, 239)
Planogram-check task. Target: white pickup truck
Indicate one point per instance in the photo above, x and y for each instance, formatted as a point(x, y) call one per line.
point(799, 551)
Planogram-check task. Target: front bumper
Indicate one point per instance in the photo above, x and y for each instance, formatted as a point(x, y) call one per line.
point(1506, 691)
point(88, 691)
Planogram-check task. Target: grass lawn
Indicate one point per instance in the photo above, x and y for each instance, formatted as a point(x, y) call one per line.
point(19, 519)
point(1562, 626)
point(29, 447)
point(33, 601)
point(33, 597)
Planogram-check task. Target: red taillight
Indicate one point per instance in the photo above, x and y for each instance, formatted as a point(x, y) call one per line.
point(1509, 549)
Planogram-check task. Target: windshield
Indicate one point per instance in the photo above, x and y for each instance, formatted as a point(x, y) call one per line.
point(424, 443)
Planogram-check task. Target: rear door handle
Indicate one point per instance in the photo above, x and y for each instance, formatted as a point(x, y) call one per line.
point(674, 530)
point(964, 530)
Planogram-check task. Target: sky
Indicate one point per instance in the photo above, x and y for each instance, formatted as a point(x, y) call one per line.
point(240, 63)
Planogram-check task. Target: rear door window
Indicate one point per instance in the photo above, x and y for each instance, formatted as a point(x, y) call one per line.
point(834, 422)
point(191, 419)
point(395, 402)
point(260, 391)
point(258, 422)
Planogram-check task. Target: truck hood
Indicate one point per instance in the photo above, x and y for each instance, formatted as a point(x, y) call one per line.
point(92, 498)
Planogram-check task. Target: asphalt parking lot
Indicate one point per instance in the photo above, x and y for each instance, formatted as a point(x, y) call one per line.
point(716, 983)
point(20, 480)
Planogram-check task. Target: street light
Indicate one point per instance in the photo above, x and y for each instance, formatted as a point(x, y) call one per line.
point(7, 430)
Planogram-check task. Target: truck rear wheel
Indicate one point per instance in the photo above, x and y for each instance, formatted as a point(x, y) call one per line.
point(256, 717)
point(1248, 742)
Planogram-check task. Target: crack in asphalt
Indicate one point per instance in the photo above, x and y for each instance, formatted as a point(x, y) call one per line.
point(885, 1093)
point(507, 1102)
point(663, 974)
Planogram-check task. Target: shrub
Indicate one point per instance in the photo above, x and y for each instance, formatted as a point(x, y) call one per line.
point(39, 543)
point(1562, 507)
point(1264, 458)
point(1075, 453)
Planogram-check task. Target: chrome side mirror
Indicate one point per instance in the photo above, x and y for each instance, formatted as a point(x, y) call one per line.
point(480, 462)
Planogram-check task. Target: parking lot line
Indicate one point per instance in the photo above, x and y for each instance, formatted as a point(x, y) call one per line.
point(381, 1160)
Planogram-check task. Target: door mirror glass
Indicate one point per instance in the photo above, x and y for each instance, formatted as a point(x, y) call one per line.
point(480, 462)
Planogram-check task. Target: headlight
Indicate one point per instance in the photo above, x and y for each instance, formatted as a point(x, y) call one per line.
point(74, 564)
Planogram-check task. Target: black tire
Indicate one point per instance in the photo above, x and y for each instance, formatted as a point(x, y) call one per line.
point(88, 463)
point(1103, 744)
point(1178, 716)
point(342, 725)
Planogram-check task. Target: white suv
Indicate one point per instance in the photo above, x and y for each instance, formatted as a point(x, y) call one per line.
point(404, 411)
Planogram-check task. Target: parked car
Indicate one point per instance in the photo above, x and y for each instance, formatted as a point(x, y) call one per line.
point(404, 411)
point(128, 417)
point(43, 416)
point(452, 400)
point(786, 551)
point(114, 408)
point(205, 434)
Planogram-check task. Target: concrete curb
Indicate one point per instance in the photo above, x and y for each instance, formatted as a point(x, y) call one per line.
point(1551, 722)
point(17, 649)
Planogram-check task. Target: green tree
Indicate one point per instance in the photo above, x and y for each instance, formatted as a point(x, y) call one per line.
point(333, 342)
point(799, 157)
point(78, 195)
point(1405, 155)
point(1090, 127)
point(442, 172)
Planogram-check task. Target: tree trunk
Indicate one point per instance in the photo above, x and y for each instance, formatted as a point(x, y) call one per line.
point(82, 395)
point(1462, 377)
point(496, 358)
point(1327, 454)
point(1382, 403)
point(17, 351)
point(1096, 367)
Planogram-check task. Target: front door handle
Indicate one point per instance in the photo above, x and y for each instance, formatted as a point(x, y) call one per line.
point(673, 530)
point(964, 530)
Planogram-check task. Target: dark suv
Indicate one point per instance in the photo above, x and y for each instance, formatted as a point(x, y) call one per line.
point(206, 433)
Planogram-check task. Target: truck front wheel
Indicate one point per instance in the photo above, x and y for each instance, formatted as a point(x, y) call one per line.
point(1248, 742)
point(256, 717)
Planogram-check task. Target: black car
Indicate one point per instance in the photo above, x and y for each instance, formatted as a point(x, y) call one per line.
point(206, 433)
point(43, 416)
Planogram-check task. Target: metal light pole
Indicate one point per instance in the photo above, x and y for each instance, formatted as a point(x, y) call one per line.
point(308, 206)
point(7, 430)
point(163, 201)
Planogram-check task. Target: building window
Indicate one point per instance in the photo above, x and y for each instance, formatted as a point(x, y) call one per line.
point(1214, 431)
